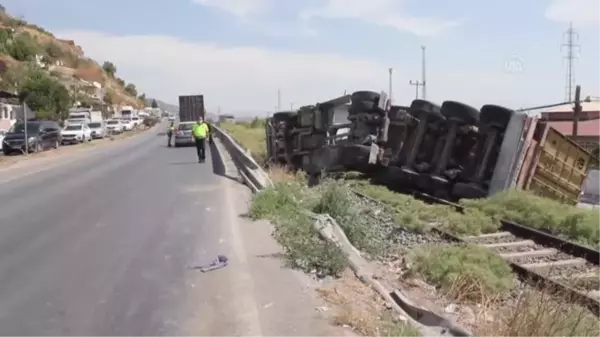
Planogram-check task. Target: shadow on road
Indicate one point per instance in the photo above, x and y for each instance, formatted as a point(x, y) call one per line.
point(217, 163)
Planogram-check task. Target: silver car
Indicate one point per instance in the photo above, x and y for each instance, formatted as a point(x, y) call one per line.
point(183, 134)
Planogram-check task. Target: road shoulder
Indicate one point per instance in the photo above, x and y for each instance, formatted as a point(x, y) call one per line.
point(286, 300)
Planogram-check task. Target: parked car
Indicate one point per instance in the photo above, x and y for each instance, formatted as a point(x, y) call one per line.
point(136, 121)
point(127, 124)
point(183, 134)
point(114, 126)
point(76, 133)
point(98, 130)
point(39, 135)
point(2, 134)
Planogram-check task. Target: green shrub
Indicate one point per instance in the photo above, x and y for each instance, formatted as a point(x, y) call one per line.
point(466, 272)
point(580, 225)
point(23, 48)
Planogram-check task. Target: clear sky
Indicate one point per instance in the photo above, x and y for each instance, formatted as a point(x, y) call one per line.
point(240, 52)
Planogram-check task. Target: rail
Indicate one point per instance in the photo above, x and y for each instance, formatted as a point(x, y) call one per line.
point(527, 272)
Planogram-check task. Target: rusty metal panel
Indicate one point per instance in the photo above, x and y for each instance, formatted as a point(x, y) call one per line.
point(560, 168)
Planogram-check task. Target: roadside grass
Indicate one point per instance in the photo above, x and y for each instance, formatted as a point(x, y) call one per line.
point(464, 272)
point(467, 274)
point(483, 216)
point(419, 216)
point(576, 224)
point(250, 136)
point(540, 313)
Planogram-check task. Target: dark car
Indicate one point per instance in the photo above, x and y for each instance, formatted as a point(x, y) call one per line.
point(41, 135)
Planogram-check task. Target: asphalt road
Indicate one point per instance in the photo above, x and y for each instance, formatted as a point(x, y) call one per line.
point(102, 245)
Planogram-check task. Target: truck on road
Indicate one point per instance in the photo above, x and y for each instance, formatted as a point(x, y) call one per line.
point(97, 125)
point(191, 107)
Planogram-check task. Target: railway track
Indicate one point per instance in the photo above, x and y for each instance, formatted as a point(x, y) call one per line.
point(539, 258)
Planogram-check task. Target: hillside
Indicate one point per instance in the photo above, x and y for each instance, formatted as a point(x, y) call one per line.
point(162, 105)
point(51, 74)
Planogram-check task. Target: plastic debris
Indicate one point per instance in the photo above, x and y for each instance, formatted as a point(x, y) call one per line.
point(219, 262)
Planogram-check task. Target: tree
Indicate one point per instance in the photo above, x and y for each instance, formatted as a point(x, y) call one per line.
point(131, 90)
point(23, 48)
point(46, 96)
point(109, 68)
point(154, 104)
point(109, 98)
point(142, 98)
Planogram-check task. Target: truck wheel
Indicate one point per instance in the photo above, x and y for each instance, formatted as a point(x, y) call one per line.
point(364, 101)
point(461, 112)
point(420, 107)
point(284, 116)
point(314, 179)
point(495, 115)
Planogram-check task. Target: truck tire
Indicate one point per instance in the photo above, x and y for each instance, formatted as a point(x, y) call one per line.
point(420, 107)
point(495, 115)
point(363, 101)
point(284, 116)
point(460, 111)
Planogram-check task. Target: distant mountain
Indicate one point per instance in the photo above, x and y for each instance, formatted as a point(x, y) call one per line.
point(162, 105)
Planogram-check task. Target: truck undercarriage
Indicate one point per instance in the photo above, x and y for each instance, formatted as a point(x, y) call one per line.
point(451, 150)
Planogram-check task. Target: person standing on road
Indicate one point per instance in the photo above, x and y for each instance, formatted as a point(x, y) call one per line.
point(200, 132)
point(170, 131)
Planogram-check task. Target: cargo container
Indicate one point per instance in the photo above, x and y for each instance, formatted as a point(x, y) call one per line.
point(191, 107)
point(555, 166)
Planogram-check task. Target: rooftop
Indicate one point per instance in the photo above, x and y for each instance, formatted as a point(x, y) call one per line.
point(589, 128)
point(593, 105)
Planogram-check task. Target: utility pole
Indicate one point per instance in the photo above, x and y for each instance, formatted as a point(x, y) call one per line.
point(390, 70)
point(292, 106)
point(423, 74)
point(576, 112)
point(571, 45)
point(417, 84)
point(25, 108)
point(278, 99)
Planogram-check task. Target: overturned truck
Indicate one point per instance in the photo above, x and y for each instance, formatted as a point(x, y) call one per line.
point(450, 150)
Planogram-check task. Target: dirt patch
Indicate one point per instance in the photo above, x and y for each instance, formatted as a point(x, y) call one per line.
point(355, 306)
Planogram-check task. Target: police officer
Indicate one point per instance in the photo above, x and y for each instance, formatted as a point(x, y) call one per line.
point(170, 131)
point(200, 133)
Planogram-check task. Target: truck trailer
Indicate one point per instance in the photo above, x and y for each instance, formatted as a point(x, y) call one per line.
point(191, 107)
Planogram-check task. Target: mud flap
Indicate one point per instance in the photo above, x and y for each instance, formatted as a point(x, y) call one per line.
point(373, 154)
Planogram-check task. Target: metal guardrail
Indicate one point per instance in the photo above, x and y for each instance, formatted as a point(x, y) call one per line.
point(252, 173)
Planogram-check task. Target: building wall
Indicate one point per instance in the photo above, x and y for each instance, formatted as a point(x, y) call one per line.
point(9, 113)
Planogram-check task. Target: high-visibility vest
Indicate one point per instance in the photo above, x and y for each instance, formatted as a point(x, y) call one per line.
point(171, 128)
point(200, 130)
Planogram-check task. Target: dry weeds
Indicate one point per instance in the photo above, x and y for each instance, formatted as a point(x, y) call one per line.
point(357, 306)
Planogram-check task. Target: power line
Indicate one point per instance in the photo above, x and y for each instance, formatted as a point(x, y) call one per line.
point(571, 45)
